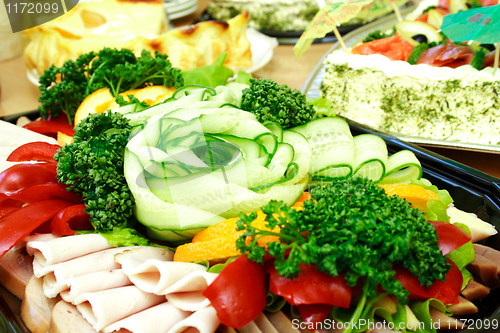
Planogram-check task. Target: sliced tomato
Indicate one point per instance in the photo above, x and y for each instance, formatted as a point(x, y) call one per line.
point(450, 237)
point(34, 151)
point(20, 223)
point(21, 176)
point(311, 287)
point(447, 292)
point(239, 293)
point(69, 220)
point(314, 313)
point(46, 192)
point(395, 48)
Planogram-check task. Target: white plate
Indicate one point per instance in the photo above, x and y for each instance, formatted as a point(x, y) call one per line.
point(262, 48)
point(178, 14)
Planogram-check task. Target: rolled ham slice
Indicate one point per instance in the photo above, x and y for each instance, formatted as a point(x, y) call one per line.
point(93, 282)
point(56, 276)
point(61, 249)
point(154, 275)
point(157, 319)
point(105, 307)
point(186, 294)
point(202, 321)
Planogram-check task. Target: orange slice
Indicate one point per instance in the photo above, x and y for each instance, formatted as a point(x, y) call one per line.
point(416, 195)
point(63, 139)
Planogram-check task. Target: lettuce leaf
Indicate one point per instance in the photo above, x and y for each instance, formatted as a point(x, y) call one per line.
point(211, 75)
point(463, 256)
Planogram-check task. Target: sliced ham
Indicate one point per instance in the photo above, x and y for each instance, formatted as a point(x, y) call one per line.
point(154, 275)
point(157, 319)
point(105, 307)
point(201, 321)
point(36, 309)
point(447, 56)
point(54, 251)
point(489, 253)
point(92, 282)
point(186, 294)
point(464, 307)
point(475, 290)
point(189, 301)
point(485, 271)
point(56, 276)
point(16, 269)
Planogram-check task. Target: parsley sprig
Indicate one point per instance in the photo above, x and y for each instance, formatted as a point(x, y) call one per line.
point(350, 227)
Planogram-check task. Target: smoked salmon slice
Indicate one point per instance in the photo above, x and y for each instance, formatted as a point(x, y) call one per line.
point(489, 59)
point(393, 48)
point(447, 55)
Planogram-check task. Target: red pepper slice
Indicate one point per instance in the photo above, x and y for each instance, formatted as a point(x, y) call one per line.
point(311, 287)
point(447, 292)
point(450, 237)
point(314, 313)
point(24, 175)
point(34, 151)
point(20, 223)
point(8, 205)
point(46, 192)
point(239, 293)
point(70, 219)
point(50, 127)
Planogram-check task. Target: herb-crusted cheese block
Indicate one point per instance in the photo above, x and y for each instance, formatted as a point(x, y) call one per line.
point(459, 104)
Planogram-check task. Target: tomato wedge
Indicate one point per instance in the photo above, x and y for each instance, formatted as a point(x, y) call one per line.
point(21, 176)
point(447, 292)
point(311, 287)
point(450, 237)
point(70, 219)
point(314, 313)
point(34, 151)
point(20, 223)
point(239, 293)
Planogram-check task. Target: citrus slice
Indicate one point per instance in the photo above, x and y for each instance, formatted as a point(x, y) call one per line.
point(416, 195)
point(408, 29)
point(97, 102)
point(101, 100)
point(63, 139)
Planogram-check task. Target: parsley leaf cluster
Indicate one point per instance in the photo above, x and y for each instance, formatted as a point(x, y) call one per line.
point(93, 166)
point(350, 227)
point(64, 88)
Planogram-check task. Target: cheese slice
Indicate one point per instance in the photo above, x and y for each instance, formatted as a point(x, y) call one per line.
point(103, 308)
point(204, 321)
point(61, 249)
point(156, 318)
point(92, 282)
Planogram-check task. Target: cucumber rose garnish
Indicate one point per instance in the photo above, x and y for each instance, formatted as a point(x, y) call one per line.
point(195, 166)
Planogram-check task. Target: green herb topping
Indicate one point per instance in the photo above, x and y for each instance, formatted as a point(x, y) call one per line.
point(350, 227)
point(93, 166)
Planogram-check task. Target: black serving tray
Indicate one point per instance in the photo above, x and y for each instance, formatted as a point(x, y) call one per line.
point(472, 190)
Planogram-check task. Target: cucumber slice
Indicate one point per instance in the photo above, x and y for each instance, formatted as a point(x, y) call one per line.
point(402, 167)
point(370, 156)
point(332, 147)
point(175, 237)
point(302, 157)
